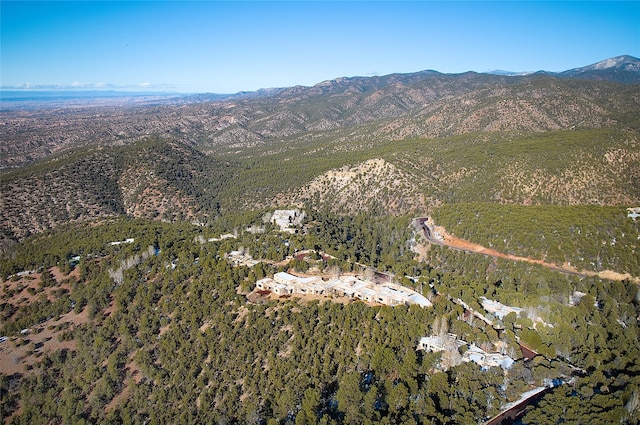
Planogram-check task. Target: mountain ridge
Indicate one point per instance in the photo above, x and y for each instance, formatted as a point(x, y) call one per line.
point(170, 181)
point(394, 106)
point(622, 62)
point(622, 69)
point(289, 146)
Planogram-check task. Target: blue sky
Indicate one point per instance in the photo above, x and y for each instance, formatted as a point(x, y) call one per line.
point(225, 47)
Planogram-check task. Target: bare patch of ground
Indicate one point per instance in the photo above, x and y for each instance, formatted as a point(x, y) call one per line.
point(134, 376)
point(421, 250)
point(19, 353)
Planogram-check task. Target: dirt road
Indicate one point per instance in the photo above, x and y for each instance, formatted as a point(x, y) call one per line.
point(439, 236)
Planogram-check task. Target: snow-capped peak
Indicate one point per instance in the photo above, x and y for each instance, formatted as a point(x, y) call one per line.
point(628, 63)
point(607, 63)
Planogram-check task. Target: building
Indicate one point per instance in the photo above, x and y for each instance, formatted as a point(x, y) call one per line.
point(128, 240)
point(499, 310)
point(392, 294)
point(287, 220)
point(268, 284)
point(633, 213)
point(450, 342)
point(440, 343)
point(240, 258)
point(487, 360)
point(222, 237)
point(346, 286)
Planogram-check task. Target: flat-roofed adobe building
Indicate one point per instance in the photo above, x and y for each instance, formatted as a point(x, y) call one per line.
point(440, 343)
point(347, 286)
point(473, 353)
point(268, 284)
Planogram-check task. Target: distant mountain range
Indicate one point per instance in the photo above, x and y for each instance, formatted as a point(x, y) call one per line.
point(625, 69)
point(390, 107)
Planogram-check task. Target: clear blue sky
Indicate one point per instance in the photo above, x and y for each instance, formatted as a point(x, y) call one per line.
point(225, 47)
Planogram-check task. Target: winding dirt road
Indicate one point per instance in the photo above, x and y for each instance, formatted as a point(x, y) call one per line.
point(439, 236)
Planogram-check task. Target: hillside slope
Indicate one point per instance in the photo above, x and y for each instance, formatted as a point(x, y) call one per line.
point(595, 167)
point(374, 186)
point(167, 180)
point(395, 144)
point(150, 179)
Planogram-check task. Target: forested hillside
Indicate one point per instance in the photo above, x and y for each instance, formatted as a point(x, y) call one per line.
point(166, 180)
point(345, 110)
point(123, 299)
point(586, 237)
point(153, 178)
point(175, 340)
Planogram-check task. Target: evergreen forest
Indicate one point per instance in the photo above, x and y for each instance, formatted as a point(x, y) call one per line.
point(174, 339)
point(132, 239)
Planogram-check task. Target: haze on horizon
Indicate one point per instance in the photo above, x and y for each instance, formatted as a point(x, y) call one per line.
point(226, 47)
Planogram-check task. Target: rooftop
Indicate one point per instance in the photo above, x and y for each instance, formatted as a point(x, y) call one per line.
point(346, 286)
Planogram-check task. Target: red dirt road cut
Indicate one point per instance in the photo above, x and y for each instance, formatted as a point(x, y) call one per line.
point(439, 236)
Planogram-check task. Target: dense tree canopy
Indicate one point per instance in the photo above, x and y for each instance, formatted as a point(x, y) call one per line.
point(171, 340)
